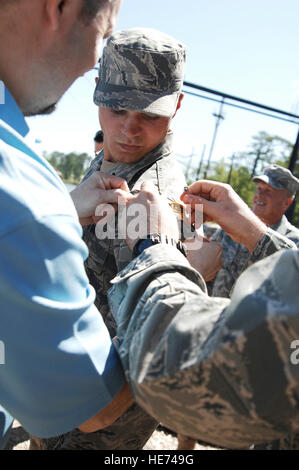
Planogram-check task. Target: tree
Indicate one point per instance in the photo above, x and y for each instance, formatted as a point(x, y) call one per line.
point(266, 149)
point(71, 165)
point(263, 150)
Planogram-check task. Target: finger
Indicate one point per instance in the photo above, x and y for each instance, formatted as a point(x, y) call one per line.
point(188, 198)
point(210, 209)
point(114, 196)
point(208, 189)
point(113, 182)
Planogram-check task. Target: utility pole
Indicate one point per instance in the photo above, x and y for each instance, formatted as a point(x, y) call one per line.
point(201, 162)
point(218, 120)
point(294, 155)
point(292, 163)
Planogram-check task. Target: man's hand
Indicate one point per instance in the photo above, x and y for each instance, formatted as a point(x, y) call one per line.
point(222, 205)
point(156, 216)
point(207, 260)
point(99, 188)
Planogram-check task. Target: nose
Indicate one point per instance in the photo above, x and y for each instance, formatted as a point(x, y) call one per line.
point(131, 126)
point(259, 191)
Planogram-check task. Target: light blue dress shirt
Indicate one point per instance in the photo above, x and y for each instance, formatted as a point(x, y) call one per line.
point(60, 365)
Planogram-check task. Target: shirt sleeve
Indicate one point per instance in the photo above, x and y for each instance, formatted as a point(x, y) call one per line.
point(60, 365)
point(214, 369)
point(5, 426)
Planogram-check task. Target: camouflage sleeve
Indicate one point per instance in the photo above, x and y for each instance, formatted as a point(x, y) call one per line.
point(236, 258)
point(218, 235)
point(210, 368)
point(270, 243)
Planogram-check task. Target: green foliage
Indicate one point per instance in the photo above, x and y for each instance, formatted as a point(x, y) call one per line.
point(263, 150)
point(72, 165)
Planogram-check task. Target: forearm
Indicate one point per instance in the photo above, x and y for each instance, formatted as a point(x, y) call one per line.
point(110, 413)
point(269, 243)
point(190, 358)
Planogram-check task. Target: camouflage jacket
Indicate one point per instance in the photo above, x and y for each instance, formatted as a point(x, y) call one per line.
point(287, 229)
point(219, 370)
point(236, 257)
point(108, 256)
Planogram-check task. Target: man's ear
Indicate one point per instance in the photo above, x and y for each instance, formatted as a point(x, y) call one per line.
point(288, 202)
point(58, 11)
point(179, 103)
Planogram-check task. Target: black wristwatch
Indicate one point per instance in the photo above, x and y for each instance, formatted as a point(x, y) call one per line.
point(155, 239)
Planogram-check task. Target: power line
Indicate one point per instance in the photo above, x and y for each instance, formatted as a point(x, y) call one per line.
point(241, 100)
point(243, 107)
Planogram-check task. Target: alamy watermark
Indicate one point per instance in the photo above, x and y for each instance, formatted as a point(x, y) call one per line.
point(2, 93)
point(2, 353)
point(135, 222)
point(294, 357)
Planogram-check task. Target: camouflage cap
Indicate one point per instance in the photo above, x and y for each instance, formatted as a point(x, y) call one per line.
point(141, 69)
point(279, 178)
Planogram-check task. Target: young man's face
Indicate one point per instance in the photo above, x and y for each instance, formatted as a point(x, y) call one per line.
point(129, 135)
point(269, 204)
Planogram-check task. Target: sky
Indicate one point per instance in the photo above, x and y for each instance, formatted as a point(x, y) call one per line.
point(244, 48)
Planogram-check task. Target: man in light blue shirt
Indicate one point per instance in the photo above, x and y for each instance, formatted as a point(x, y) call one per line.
point(60, 368)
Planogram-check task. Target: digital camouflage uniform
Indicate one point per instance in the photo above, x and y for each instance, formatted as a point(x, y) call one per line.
point(141, 70)
point(215, 369)
point(235, 257)
point(108, 257)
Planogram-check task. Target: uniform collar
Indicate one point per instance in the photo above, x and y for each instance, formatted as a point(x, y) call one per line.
point(123, 169)
point(10, 113)
point(281, 223)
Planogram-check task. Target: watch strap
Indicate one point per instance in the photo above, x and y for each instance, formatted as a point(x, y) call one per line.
point(155, 239)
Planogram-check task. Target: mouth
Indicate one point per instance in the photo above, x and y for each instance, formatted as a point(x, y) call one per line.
point(259, 203)
point(129, 148)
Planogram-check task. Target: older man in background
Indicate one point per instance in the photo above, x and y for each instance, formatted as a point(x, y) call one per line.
point(275, 192)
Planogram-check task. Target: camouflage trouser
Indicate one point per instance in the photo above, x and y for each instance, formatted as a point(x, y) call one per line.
point(129, 432)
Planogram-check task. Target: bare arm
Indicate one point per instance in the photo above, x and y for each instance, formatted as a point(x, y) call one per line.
point(111, 412)
point(222, 205)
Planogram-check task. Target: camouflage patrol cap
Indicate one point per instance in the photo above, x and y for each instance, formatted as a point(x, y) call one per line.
point(279, 178)
point(141, 69)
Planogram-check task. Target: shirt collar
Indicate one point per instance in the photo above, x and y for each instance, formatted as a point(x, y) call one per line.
point(10, 113)
point(279, 224)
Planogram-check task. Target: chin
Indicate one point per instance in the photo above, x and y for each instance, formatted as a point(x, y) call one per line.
point(258, 211)
point(43, 111)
